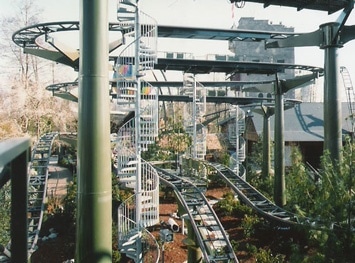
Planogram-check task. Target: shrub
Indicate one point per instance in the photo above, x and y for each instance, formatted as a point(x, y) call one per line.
point(249, 224)
point(266, 256)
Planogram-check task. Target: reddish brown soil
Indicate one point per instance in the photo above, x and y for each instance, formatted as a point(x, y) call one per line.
point(63, 247)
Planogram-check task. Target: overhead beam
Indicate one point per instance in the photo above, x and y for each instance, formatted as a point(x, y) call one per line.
point(329, 6)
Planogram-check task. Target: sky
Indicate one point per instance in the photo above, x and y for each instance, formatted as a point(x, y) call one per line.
point(211, 14)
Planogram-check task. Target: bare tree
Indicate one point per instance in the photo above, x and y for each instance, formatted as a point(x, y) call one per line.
point(30, 109)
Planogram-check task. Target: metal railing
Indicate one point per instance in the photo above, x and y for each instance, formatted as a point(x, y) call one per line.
point(14, 157)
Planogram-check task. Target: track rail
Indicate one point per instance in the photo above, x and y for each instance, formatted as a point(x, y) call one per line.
point(210, 235)
point(37, 187)
point(263, 206)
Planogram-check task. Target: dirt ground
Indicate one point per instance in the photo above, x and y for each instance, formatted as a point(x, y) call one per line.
point(61, 249)
point(176, 251)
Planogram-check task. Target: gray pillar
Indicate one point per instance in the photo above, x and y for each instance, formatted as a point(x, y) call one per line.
point(279, 152)
point(94, 211)
point(194, 253)
point(332, 104)
point(266, 165)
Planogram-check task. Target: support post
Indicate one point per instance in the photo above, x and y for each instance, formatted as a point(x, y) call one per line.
point(94, 197)
point(194, 121)
point(138, 187)
point(332, 104)
point(19, 228)
point(194, 253)
point(279, 183)
point(266, 165)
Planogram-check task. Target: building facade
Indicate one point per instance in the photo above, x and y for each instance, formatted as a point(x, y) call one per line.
point(256, 52)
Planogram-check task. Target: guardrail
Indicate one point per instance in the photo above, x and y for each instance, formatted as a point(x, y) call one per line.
point(14, 157)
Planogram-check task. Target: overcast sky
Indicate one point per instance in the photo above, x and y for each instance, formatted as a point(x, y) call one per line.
point(211, 14)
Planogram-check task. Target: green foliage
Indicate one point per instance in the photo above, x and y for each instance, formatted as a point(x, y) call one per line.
point(256, 157)
point(235, 245)
point(214, 180)
point(330, 197)
point(252, 249)
point(5, 208)
point(315, 258)
point(172, 140)
point(69, 204)
point(63, 220)
point(116, 255)
point(300, 256)
point(300, 189)
point(264, 185)
point(266, 256)
point(249, 224)
point(330, 200)
point(173, 137)
point(116, 196)
point(223, 158)
point(254, 176)
point(227, 204)
point(67, 156)
point(231, 206)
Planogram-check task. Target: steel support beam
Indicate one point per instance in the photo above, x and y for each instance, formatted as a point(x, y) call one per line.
point(279, 152)
point(332, 103)
point(330, 37)
point(266, 165)
point(138, 187)
point(279, 88)
point(94, 211)
point(194, 253)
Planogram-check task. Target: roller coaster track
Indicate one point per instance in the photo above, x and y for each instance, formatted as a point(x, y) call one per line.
point(37, 187)
point(210, 235)
point(259, 203)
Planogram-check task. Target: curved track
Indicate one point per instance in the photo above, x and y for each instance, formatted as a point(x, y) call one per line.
point(210, 235)
point(29, 38)
point(37, 187)
point(264, 207)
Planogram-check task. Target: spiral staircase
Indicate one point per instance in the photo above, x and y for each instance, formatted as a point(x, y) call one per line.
point(138, 55)
point(194, 115)
point(235, 131)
